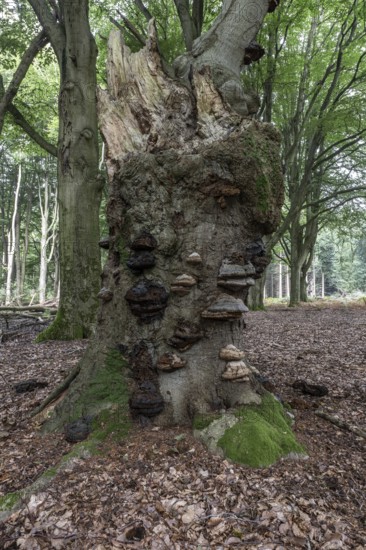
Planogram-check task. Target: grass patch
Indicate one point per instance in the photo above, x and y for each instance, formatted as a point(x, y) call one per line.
point(262, 435)
point(7, 502)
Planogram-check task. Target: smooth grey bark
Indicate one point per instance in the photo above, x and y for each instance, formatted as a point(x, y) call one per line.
point(78, 180)
point(193, 187)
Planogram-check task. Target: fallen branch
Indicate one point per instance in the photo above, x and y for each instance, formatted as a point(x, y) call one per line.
point(57, 391)
point(341, 423)
point(43, 309)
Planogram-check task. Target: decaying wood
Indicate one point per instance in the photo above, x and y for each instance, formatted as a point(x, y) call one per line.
point(341, 423)
point(57, 391)
point(194, 185)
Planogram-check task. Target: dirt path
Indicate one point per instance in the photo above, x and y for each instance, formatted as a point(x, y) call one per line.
point(168, 492)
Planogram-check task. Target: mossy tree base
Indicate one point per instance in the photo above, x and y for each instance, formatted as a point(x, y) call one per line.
point(257, 436)
point(61, 329)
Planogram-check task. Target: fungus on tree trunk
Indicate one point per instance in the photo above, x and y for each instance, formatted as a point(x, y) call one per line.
point(196, 184)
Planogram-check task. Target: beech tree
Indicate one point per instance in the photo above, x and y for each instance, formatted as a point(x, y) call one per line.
point(65, 25)
point(319, 84)
point(195, 182)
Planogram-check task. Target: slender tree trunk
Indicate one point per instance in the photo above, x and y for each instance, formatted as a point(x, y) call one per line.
point(280, 280)
point(27, 221)
point(11, 240)
point(44, 208)
point(303, 285)
point(18, 273)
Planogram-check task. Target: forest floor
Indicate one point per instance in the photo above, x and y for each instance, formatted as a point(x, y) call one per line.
point(160, 489)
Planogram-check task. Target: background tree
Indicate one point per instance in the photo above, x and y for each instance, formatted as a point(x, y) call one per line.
point(319, 84)
point(65, 25)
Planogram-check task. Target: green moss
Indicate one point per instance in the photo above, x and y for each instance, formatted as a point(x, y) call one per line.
point(50, 473)
point(60, 329)
point(263, 190)
point(262, 435)
point(107, 385)
point(7, 502)
point(106, 398)
point(202, 421)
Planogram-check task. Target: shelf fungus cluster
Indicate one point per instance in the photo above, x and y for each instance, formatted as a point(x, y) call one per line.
point(183, 284)
point(147, 300)
point(170, 362)
point(236, 370)
point(236, 277)
point(147, 400)
point(185, 335)
point(142, 256)
point(225, 308)
point(194, 259)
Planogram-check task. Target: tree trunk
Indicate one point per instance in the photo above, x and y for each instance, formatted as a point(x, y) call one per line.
point(193, 187)
point(17, 258)
point(255, 299)
point(79, 185)
point(11, 241)
point(44, 208)
point(303, 285)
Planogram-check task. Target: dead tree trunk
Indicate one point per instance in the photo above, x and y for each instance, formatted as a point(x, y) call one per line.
point(194, 186)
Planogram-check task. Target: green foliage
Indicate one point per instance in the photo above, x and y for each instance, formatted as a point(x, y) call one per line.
point(262, 435)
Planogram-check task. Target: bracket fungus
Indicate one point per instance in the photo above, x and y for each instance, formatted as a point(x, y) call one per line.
point(140, 260)
point(194, 259)
point(104, 243)
point(255, 254)
point(273, 5)
point(225, 308)
point(147, 300)
point(145, 241)
point(253, 52)
point(231, 353)
point(236, 371)
point(235, 271)
point(185, 335)
point(170, 362)
point(147, 400)
point(183, 284)
point(236, 277)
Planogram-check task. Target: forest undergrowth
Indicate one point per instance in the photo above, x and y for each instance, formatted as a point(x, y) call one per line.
point(160, 489)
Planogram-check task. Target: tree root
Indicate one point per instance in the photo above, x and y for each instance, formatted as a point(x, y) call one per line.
point(57, 391)
point(341, 423)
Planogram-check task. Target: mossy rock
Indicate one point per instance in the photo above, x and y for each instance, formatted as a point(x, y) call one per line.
point(255, 435)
